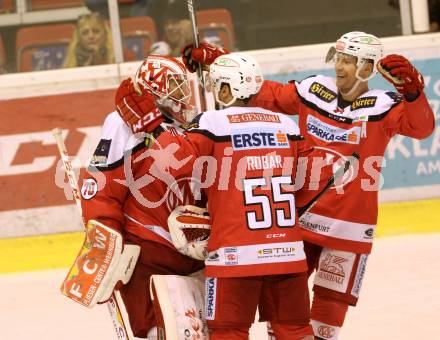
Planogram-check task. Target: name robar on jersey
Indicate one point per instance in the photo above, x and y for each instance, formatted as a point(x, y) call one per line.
point(248, 156)
point(345, 217)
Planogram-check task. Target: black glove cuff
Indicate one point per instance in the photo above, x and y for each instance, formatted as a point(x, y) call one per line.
point(410, 97)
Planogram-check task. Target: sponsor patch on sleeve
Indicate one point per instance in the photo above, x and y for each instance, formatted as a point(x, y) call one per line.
point(101, 153)
point(89, 188)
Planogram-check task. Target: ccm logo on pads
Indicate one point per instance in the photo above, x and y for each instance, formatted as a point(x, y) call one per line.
point(245, 139)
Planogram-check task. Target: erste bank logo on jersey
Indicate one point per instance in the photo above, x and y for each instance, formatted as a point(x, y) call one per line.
point(330, 133)
point(259, 138)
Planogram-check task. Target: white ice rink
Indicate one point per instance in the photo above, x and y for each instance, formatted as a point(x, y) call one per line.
point(400, 300)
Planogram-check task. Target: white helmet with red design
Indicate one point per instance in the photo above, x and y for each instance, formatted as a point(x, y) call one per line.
point(361, 45)
point(166, 78)
point(240, 71)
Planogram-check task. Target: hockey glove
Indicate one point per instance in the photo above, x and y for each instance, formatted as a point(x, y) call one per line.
point(205, 54)
point(137, 107)
point(402, 74)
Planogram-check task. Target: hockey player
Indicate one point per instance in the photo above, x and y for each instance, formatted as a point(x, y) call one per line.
point(255, 248)
point(111, 187)
point(340, 116)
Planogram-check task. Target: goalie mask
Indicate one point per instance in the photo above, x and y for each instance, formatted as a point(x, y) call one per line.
point(166, 79)
point(240, 71)
point(361, 45)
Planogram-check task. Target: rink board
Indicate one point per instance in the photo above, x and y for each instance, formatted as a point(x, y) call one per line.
point(77, 100)
point(59, 250)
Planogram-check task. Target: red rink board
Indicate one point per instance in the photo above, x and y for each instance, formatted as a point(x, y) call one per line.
point(21, 117)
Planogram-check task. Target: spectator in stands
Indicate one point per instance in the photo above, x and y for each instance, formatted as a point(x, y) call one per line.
point(91, 43)
point(177, 30)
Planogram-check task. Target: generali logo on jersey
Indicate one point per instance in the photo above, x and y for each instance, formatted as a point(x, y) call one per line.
point(259, 138)
point(330, 133)
point(331, 268)
point(253, 117)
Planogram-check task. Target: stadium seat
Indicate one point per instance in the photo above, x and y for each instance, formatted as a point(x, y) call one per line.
point(7, 6)
point(216, 27)
point(42, 47)
point(37, 5)
point(138, 33)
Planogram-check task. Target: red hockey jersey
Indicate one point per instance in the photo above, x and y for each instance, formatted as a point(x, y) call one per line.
point(117, 189)
point(243, 158)
point(347, 221)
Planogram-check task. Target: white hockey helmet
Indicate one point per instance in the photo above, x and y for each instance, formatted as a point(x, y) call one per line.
point(362, 45)
point(240, 71)
point(166, 78)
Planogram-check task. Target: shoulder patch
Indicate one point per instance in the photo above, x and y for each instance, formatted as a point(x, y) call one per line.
point(394, 96)
point(89, 188)
point(322, 92)
point(101, 153)
point(364, 102)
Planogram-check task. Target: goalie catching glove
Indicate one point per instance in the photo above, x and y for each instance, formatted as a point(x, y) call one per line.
point(102, 264)
point(402, 74)
point(190, 227)
point(205, 54)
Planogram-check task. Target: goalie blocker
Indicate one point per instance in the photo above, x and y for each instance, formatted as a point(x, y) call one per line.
point(102, 263)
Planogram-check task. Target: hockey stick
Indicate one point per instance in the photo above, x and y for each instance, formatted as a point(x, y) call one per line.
point(192, 17)
point(112, 304)
point(341, 172)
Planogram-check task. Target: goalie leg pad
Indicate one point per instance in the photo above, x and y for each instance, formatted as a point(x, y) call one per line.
point(102, 262)
point(179, 307)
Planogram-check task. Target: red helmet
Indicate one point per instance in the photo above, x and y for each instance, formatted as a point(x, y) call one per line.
point(166, 79)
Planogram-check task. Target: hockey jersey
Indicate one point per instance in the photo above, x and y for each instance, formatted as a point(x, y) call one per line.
point(244, 159)
point(117, 189)
point(345, 217)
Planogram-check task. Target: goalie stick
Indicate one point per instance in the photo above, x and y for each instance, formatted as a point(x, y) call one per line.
point(338, 174)
point(112, 303)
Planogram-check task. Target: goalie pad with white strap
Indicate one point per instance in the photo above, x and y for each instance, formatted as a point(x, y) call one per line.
point(102, 262)
point(179, 306)
point(190, 227)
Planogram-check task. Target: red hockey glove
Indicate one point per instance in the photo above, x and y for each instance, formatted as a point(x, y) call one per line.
point(205, 54)
point(402, 74)
point(139, 111)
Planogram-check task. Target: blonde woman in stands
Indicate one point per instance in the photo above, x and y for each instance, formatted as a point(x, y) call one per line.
point(91, 43)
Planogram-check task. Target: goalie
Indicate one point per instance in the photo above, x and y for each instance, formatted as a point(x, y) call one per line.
point(122, 228)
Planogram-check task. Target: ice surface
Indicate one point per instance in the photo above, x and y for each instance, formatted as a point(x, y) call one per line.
point(400, 300)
